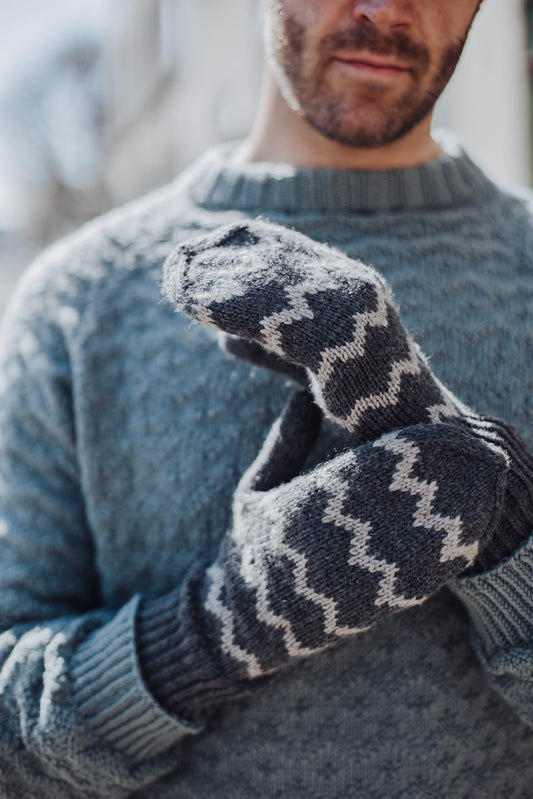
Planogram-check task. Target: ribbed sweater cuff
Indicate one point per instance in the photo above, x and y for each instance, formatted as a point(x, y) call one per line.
point(500, 603)
point(113, 696)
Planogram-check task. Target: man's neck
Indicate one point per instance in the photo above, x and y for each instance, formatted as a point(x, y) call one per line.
point(280, 135)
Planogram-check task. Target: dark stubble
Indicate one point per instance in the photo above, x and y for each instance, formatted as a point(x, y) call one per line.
point(364, 117)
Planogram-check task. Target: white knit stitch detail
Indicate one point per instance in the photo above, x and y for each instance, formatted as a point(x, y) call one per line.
point(254, 574)
point(410, 365)
point(355, 347)
point(253, 570)
point(442, 412)
point(298, 309)
point(362, 322)
point(424, 515)
point(215, 606)
point(221, 291)
point(449, 408)
point(360, 551)
point(484, 429)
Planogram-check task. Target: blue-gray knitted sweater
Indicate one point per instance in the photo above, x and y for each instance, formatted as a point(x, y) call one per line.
point(124, 430)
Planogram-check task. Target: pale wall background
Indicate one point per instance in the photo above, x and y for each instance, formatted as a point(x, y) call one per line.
point(487, 100)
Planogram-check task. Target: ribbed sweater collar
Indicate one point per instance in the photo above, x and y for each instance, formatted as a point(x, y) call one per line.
point(452, 180)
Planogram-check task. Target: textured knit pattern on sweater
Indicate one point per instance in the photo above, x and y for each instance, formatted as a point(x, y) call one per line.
point(124, 431)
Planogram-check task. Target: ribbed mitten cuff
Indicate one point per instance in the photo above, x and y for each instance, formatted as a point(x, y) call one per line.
point(516, 521)
point(180, 668)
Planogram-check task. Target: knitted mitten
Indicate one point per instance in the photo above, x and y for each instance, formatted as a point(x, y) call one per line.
point(316, 310)
point(313, 558)
point(308, 309)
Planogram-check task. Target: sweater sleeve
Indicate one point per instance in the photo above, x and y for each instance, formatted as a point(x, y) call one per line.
point(500, 606)
point(500, 601)
point(75, 716)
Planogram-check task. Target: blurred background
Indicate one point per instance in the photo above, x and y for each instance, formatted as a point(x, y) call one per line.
point(103, 100)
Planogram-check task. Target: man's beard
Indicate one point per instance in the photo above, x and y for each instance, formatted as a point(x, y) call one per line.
point(368, 117)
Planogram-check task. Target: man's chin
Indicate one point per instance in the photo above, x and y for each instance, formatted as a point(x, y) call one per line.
point(362, 137)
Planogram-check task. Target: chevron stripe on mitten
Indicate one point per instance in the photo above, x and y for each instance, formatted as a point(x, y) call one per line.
point(313, 558)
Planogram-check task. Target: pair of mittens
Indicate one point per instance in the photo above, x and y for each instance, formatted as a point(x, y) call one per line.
point(425, 490)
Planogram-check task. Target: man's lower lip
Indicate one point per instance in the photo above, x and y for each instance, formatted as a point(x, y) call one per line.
point(372, 69)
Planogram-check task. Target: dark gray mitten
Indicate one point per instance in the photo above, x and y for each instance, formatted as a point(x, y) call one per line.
point(314, 558)
point(292, 301)
point(317, 310)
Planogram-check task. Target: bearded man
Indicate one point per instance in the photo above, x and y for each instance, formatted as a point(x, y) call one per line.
point(343, 607)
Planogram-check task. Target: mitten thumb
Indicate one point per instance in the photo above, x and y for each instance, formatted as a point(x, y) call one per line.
point(286, 447)
point(254, 353)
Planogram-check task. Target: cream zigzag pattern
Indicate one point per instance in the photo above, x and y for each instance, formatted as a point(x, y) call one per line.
point(299, 309)
point(215, 606)
point(252, 562)
point(450, 408)
point(410, 365)
point(426, 492)
point(253, 571)
point(360, 552)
